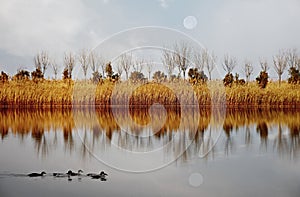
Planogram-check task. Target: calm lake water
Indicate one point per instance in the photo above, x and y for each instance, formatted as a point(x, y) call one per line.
point(153, 152)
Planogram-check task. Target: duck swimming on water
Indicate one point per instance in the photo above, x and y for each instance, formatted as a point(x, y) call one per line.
point(35, 174)
point(102, 175)
point(71, 173)
point(93, 174)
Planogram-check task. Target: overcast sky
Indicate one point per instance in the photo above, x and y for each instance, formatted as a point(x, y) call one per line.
point(246, 29)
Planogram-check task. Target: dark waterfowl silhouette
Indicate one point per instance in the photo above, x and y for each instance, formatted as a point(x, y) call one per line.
point(93, 174)
point(35, 174)
point(102, 175)
point(71, 173)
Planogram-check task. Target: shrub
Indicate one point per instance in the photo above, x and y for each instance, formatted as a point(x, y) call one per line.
point(228, 80)
point(159, 76)
point(196, 76)
point(174, 78)
point(22, 75)
point(3, 77)
point(66, 74)
point(262, 79)
point(108, 70)
point(136, 76)
point(294, 76)
point(238, 81)
point(115, 77)
point(37, 75)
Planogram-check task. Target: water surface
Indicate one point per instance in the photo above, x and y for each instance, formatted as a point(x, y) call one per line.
point(182, 153)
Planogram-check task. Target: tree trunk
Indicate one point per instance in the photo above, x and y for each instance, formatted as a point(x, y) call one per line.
point(279, 76)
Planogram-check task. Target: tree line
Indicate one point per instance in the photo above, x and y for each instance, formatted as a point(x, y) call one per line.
point(181, 57)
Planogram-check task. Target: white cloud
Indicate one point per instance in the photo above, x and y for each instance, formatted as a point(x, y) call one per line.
point(254, 29)
point(29, 26)
point(243, 28)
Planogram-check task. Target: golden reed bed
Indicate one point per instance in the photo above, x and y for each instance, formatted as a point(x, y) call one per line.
point(65, 94)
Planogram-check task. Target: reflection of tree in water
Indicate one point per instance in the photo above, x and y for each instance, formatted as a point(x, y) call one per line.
point(200, 145)
point(107, 122)
point(84, 150)
point(40, 140)
point(55, 138)
point(294, 140)
point(4, 126)
point(68, 138)
point(247, 135)
point(4, 131)
point(280, 142)
point(227, 127)
point(139, 127)
point(262, 129)
point(96, 134)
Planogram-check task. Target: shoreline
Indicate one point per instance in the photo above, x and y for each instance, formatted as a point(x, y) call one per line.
point(71, 94)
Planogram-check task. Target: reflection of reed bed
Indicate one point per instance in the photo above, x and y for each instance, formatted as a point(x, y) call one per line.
point(162, 124)
point(238, 118)
point(64, 94)
point(157, 120)
point(23, 121)
point(264, 120)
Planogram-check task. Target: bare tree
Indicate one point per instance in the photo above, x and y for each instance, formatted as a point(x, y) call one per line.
point(280, 64)
point(126, 62)
point(69, 61)
point(203, 59)
point(248, 70)
point(38, 61)
point(210, 62)
point(229, 63)
point(168, 61)
point(264, 64)
point(292, 58)
point(137, 66)
point(182, 54)
point(149, 65)
point(102, 64)
point(45, 60)
point(200, 59)
point(41, 61)
point(119, 69)
point(93, 61)
point(55, 68)
point(83, 59)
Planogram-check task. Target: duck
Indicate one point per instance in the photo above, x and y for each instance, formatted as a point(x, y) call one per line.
point(35, 174)
point(101, 175)
point(71, 173)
